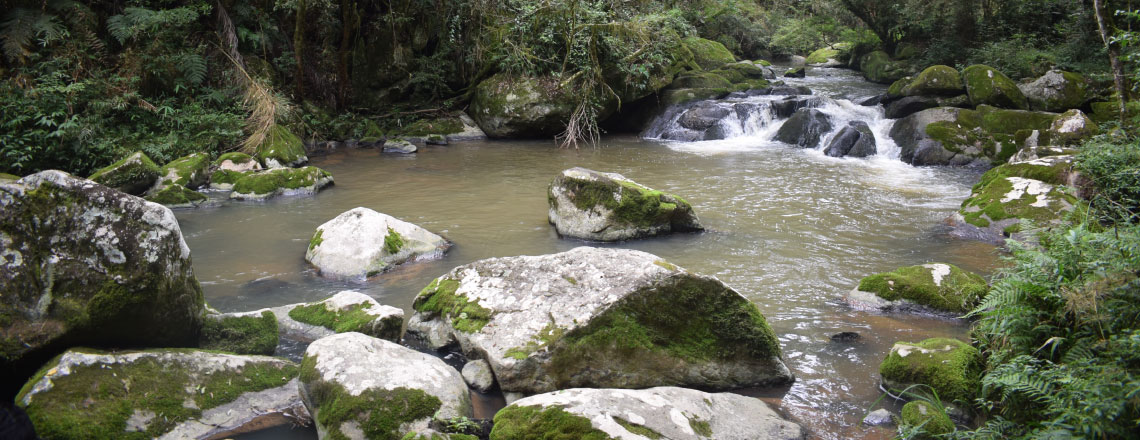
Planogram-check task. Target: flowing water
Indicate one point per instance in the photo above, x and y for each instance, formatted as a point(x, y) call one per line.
point(791, 229)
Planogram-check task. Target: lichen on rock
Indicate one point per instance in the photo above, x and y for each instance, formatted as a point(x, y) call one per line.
point(1011, 193)
point(592, 205)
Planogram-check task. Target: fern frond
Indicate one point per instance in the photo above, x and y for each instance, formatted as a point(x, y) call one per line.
point(193, 67)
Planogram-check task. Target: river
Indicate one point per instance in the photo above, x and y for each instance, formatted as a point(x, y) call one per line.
point(791, 229)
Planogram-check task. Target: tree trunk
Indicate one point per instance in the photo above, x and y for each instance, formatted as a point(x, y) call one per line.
point(1113, 55)
point(299, 48)
point(348, 26)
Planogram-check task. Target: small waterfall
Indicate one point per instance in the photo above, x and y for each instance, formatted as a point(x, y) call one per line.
point(754, 117)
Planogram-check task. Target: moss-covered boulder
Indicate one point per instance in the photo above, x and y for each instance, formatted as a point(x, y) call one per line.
point(1010, 193)
point(796, 72)
point(177, 196)
point(347, 311)
point(749, 69)
point(1056, 91)
point(949, 367)
point(191, 171)
point(84, 264)
point(708, 54)
point(879, 68)
point(854, 140)
point(805, 128)
point(166, 393)
point(281, 148)
point(1071, 128)
point(361, 243)
point(655, 413)
point(507, 106)
point(359, 387)
point(350, 311)
point(251, 333)
point(935, 80)
point(399, 146)
point(262, 185)
point(986, 85)
point(236, 161)
point(597, 206)
point(700, 80)
point(133, 174)
point(824, 57)
point(927, 418)
point(952, 136)
point(936, 287)
point(593, 317)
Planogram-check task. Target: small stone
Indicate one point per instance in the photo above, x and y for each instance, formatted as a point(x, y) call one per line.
point(399, 146)
point(478, 375)
point(845, 337)
point(879, 417)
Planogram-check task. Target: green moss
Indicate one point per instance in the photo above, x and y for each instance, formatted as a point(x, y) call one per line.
point(440, 297)
point(8, 177)
point(639, 206)
point(537, 423)
point(682, 319)
point(665, 264)
point(746, 69)
point(352, 319)
point(176, 195)
point(235, 157)
point(951, 368)
point(242, 335)
point(132, 174)
point(986, 205)
point(931, 420)
point(95, 401)
point(424, 127)
point(549, 334)
point(270, 181)
point(379, 412)
point(701, 427)
point(986, 128)
point(226, 177)
point(958, 293)
point(821, 56)
point(896, 88)
point(186, 171)
point(638, 429)
point(707, 53)
point(701, 80)
point(878, 67)
point(985, 85)
point(935, 80)
point(393, 242)
point(316, 240)
point(282, 146)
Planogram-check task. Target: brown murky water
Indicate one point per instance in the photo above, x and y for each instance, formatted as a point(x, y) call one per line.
point(790, 229)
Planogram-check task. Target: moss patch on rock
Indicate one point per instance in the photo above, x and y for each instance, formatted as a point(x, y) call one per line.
point(281, 148)
point(931, 420)
point(379, 413)
point(240, 334)
point(440, 297)
point(352, 319)
point(638, 206)
point(532, 422)
point(955, 291)
point(189, 171)
point(700, 80)
point(986, 85)
point(96, 400)
point(226, 177)
point(276, 180)
point(708, 54)
point(949, 367)
point(1023, 191)
point(988, 130)
point(175, 195)
point(821, 56)
point(425, 127)
point(935, 80)
point(235, 157)
point(879, 68)
point(132, 174)
point(393, 242)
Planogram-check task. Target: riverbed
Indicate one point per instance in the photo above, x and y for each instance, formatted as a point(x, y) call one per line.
point(791, 229)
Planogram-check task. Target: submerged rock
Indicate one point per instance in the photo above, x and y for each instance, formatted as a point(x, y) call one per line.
point(656, 413)
point(361, 243)
point(805, 128)
point(599, 318)
point(1056, 91)
point(81, 263)
point(987, 86)
point(359, 387)
point(949, 367)
point(263, 185)
point(796, 72)
point(599, 206)
point(133, 174)
point(175, 394)
point(854, 140)
point(933, 288)
point(281, 149)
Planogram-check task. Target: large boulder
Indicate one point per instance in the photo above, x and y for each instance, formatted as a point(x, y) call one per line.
point(825, 57)
point(169, 394)
point(703, 115)
point(854, 140)
point(358, 387)
point(1006, 195)
point(83, 264)
point(1056, 91)
point(263, 185)
point(935, 80)
point(133, 174)
point(787, 107)
point(361, 243)
point(237, 162)
point(936, 287)
point(191, 171)
point(949, 367)
point(805, 128)
point(708, 54)
point(952, 136)
point(597, 206)
point(879, 68)
point(656, 413)
point(507, 106)
point(909, 105)
point(986, 85)
point(1071, 128)
point(593, 317)
point(348, 311)
point(281, 148)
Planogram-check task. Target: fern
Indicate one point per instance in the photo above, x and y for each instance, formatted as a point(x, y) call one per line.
point(192, 66)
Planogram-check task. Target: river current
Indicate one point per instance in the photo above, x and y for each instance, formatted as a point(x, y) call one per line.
point(791, 229)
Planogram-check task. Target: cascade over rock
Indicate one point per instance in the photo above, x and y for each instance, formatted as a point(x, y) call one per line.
point(594, 317)
point(805, 128)
point(854, 140)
